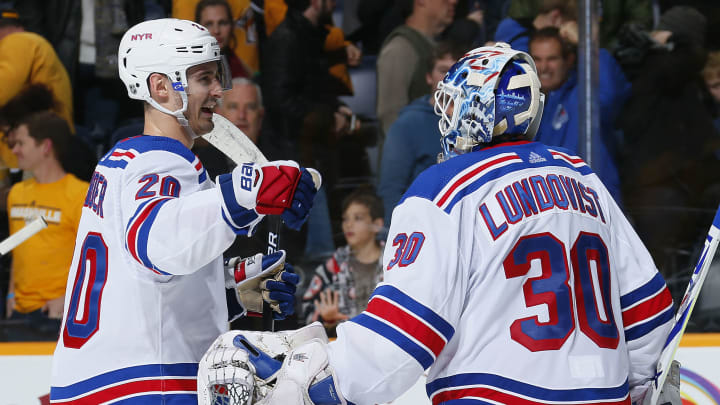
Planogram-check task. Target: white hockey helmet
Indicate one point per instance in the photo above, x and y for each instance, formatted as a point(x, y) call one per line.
point(491, 91)
point(168, 46)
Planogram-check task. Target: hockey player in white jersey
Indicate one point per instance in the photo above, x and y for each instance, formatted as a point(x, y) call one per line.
point(510, 274)
point(146, 293)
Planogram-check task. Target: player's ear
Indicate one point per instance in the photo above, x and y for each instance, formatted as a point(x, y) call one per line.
point(159, 87)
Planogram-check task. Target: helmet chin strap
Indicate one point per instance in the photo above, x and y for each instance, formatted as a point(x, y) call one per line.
point(178, 114)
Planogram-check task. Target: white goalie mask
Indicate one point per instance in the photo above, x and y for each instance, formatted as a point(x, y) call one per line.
point(168, 46)
point(490, 91)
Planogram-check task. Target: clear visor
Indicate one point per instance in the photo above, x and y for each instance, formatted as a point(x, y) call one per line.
point(208, 77)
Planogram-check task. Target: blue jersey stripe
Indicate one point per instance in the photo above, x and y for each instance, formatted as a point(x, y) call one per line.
point(139, 209)
point(165, 399)
point(643, 329)
point(656, 284)
point(529, 390)
point(422, 356)
point(113, 164)
point(502, 171)
point(416, 308)
point(144, 232)
point(124, 374)
point(433, 180)
point(238, 231)
point(146, 143)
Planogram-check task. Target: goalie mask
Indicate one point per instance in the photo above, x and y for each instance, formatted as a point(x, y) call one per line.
point(490, 91)
point(168, 46)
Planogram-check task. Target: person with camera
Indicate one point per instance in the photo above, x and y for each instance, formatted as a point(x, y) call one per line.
point(670, 140)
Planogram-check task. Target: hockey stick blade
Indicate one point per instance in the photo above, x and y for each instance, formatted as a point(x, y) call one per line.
point(12, 241)
point(686, 306)
point(233, 142)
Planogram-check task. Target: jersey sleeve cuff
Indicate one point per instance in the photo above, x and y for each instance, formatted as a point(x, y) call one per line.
point(241, 220)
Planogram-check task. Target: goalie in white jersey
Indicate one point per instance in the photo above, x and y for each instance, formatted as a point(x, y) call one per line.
point(146, 293)
point(510, 274)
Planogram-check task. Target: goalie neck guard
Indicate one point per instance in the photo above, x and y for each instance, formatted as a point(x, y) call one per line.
point(168, 46)
point(489, 92)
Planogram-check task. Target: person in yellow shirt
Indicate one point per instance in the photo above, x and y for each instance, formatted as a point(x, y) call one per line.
point(40, 265)
point(250, 24)
point(27, 58)
point(217, 17)
point(243, 24)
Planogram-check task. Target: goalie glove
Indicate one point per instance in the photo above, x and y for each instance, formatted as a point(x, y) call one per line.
point(263, 278)
point(305, 378)
point(275, 188)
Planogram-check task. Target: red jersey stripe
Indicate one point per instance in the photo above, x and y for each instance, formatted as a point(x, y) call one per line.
point(136, 387)
point(472, 174)
point(508, 398)
point(407, 323)
point(135, 227)
point(647, 309)
point(126, 153)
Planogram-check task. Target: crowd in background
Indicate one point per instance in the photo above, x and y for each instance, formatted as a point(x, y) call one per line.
point(346, 86)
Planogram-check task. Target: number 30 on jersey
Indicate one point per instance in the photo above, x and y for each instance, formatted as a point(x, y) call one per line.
point(590, 292)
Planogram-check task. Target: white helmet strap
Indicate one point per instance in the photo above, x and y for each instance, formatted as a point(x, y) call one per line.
point(178, 114)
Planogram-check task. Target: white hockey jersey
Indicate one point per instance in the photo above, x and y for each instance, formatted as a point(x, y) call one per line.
point(512, 275)
point(146, 290)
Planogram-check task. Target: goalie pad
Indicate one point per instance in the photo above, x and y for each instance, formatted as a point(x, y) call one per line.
point(228, 375)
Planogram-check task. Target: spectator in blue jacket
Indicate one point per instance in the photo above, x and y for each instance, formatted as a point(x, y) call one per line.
point(413, 141)
point(554, 56)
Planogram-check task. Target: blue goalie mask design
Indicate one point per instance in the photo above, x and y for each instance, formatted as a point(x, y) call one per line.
point(489, 92)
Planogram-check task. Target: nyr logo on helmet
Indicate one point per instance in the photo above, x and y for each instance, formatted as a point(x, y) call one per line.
point(178, 86)
point(140, 37)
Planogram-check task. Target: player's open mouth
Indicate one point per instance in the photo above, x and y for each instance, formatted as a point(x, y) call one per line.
point(206, 110)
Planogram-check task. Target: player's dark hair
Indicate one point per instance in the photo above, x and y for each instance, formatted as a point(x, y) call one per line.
point(552, 33)
point(567, 8)
point(203, 4)
point(368, 198)
point(445, 48)
point(48, 125)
